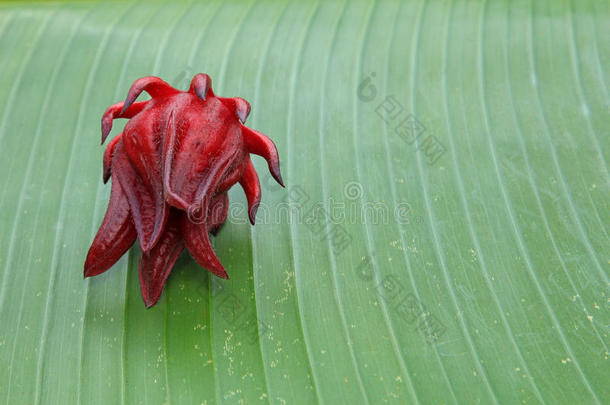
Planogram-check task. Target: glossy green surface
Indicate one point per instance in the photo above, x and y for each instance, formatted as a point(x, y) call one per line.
point(503, 240)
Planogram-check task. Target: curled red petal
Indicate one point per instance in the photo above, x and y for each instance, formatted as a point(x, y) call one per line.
point(114, 111)
point(149, 213)
point(115, 236)
point(152, 85)
point(199, 153)
point(198, 243)
point(260, 144)
point(108, 153)
point(157, 264)
point(141, 142)
point(217, 176)
point(169, 150)
point(252, 187)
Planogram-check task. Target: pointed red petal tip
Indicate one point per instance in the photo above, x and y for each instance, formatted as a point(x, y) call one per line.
point(198, 243)
point(275, 172)
point(148, 210)
point(115, 236)
point(238, 105)
point(252, 187)
point(156, 265)
point(108, 154)
point(116, 111)
point(201, 85)
point(252, 213)
point(111, 113)
point(150, 84)
point(242, 108)
point(260, 144)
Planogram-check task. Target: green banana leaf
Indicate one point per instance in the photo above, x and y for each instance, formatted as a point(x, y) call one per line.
point(442, 237)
